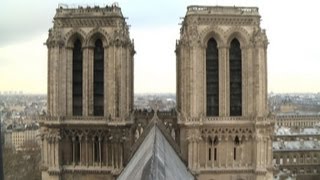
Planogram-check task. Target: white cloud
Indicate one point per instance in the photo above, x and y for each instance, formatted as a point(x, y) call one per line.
point(155, 59)
point(24, 67)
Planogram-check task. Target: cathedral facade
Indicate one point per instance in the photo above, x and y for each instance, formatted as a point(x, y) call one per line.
point(225, 130)
point(86, 133)
point(219, 130)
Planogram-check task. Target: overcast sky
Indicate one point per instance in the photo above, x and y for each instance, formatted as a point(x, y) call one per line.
point(292, 28)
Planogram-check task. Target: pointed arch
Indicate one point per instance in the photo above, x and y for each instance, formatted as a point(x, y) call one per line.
point(212, 32)
point(212, 77)
point(97, 33)
point(96, 149)
point(238, 33)
point(72, 35)
point(235, 149)
point(235, 75)
point(216, 141)
point(210, 146)
point(76, 150)
point(237, 140)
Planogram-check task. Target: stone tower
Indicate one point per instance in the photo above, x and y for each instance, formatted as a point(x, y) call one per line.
point(86, 133)
point(225, 132)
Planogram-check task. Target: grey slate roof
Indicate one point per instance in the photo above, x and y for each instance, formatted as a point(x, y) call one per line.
point(155, 159)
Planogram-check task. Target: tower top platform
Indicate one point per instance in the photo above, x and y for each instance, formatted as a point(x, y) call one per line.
point(79, 11)
point(223, 10)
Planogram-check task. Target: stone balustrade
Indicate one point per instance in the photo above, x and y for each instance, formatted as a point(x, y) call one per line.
point(65, 10)
point(222, 10)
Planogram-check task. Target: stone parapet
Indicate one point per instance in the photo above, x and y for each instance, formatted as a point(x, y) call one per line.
point(223, 10)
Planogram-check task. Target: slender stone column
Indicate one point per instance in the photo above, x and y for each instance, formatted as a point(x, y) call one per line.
point(223, 81)
point(198, 155)
point(190, 159)
point(121, 155)
point(105, 80)
point(194, 155)
point(49, 80)
point(69, 78)
point(55, 153)
point(228, 152)
point(112, 155)
point(80, 150)
point(100, 153)
point(93, 152)
point(107, 153)
point(50, 154)
point(259, 152)
point(206, 151)
point(46, 152)
point(88, 81)
point(116, 155)
point(212, 156)
point(73, 151)
point(87, 156)
point(270, 158)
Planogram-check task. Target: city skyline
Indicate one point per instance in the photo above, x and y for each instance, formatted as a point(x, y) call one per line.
point(293, 59)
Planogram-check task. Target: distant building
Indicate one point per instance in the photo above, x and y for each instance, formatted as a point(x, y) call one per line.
point(22, 137)
point(297, 121)
point(288, 108)
point(296, 151)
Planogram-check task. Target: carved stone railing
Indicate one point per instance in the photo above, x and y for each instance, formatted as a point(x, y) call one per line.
point(65, 10)
point(239, 118)
point(227, 118)
point(317, 149)
point(167, 114)
point(297, 120)
point(143, 114)
point(84, 169)
point(222, 10)
point(82, 119)
point(298, 117)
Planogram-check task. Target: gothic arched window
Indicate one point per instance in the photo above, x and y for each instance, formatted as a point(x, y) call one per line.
point(212, 76)
point(76, 150)
point(235, 78)
point(96, 149)
point(236, 143)
point(77, 79)
point(98, 79)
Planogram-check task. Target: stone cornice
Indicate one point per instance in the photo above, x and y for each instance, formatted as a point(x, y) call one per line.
point(80, 11)
point(296, 150)
point(225, 10)
point(223, 20)
point(224, 133)
point(223, 170)
point(84, 121)
point(85, 22)
point(300, 165)
point(82, 170)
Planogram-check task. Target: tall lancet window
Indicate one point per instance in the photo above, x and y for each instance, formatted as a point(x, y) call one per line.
point(235, 79)
point(98, 78)
point(212, 76)
point(77, 79)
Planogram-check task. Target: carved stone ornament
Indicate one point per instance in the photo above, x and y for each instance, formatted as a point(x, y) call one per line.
point(194, 135)
point(223, 132)
point(55, 39)
point(259, 38)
